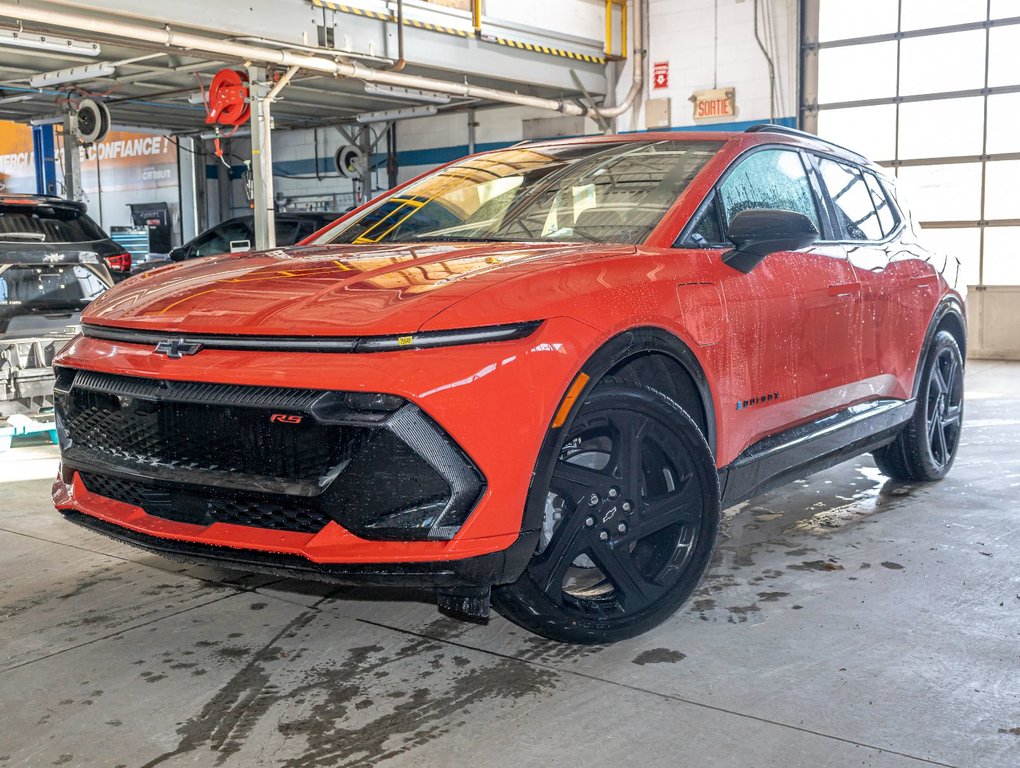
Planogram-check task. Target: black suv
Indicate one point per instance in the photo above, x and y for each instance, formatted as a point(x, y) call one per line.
point(53, 261)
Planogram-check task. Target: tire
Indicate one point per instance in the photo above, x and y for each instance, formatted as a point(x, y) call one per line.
point(632, 508)
point(926, 448)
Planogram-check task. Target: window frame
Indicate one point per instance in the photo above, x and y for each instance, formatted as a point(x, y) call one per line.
point(834, 219)
point(712, 198)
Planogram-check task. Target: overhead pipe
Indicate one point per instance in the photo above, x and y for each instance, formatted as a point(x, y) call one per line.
point(167, 36)
point(400, 63)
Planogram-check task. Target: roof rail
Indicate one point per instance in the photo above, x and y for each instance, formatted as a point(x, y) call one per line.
point(787, 131)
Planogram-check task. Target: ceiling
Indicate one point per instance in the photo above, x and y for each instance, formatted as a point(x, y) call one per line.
point(157, 87)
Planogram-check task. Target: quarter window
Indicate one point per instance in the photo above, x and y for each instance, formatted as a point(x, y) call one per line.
point(887, 217)
point(772, 179)
point(707, 231)
point(854, 205)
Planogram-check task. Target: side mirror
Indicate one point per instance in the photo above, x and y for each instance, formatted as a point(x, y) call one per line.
point(757, 232)
point(180, 253)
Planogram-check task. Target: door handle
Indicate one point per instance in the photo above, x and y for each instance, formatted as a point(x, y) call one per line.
point(844, 289)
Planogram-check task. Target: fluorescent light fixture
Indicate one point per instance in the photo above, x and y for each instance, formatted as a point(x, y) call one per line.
point(18, 39)
point(72, 75)
point(411, 94)
point(396, 114)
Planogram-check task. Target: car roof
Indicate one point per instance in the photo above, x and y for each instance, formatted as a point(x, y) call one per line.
point(10, 197)
point(762, 133)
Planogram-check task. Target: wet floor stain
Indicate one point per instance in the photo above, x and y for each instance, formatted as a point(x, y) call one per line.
point(816, 565)
point(658, 656)
point(739, 613)
point(342, 715)
point(772, 597)
point(538, 649)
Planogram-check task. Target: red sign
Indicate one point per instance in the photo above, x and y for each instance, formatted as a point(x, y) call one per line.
point(660, 74)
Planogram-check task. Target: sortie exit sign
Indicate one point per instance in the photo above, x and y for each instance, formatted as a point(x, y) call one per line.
point(660, 74)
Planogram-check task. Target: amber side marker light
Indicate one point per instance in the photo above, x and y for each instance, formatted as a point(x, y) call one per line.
point(568, 401)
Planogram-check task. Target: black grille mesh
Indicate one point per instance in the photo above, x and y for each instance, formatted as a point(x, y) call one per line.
point(201, 435)
point(207, 507)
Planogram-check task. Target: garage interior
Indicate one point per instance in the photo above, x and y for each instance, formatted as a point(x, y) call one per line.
point(846, 619)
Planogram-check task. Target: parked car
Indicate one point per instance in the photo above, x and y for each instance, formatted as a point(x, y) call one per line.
point(53, 261)
point(536, 374)
point(238, 234)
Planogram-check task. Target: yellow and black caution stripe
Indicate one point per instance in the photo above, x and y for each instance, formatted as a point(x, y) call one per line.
point(427, 25)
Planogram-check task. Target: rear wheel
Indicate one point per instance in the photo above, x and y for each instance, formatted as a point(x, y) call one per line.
point(926, 448)
point(631, 517)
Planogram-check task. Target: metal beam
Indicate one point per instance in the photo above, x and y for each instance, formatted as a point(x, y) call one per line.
point(809, 15)
point(890, 36)
point(261, 158)
point(72, 159)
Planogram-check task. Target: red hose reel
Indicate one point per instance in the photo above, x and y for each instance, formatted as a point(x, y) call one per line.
point(228, 98)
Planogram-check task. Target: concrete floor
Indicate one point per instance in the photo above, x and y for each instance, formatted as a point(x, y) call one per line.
point(846, 622)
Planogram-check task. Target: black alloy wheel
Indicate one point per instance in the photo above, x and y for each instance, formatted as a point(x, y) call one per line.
point(927, 446)
point(944, 408)
point(631, 516)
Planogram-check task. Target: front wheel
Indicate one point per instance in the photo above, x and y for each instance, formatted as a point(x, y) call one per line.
point(926, 448)
point(631, 515)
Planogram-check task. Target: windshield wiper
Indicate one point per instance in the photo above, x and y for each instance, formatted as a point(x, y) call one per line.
point(450, 239)
point(36, 236)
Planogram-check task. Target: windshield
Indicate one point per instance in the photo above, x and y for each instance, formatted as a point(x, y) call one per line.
point(47, 224)
point(599, 192)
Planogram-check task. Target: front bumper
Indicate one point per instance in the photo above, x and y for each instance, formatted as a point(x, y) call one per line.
point(494, 400)
point(480, 571)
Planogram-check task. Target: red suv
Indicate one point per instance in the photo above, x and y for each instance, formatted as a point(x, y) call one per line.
point(535, 374)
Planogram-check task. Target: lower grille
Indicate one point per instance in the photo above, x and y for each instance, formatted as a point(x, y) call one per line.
point(205, 508)
point(266, 457)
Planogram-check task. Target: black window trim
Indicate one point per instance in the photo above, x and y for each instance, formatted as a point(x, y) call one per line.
point(712, 197)
point(815, 155)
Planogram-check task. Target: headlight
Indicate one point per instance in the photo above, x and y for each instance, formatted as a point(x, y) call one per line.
point(423, 340)
point(428, 339)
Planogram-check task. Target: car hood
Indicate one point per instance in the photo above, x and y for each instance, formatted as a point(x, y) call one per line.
point(325, 290)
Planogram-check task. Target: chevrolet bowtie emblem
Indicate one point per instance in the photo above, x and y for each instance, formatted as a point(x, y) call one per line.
point(178, 348)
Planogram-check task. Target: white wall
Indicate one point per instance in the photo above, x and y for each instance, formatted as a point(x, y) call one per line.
point(582, 18)
point(684, 34)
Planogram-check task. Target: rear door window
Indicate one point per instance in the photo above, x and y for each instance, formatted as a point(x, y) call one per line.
point(287, 232)
point(218, 239)
point(855, 208)
point(772, 179)
point(47, 224)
